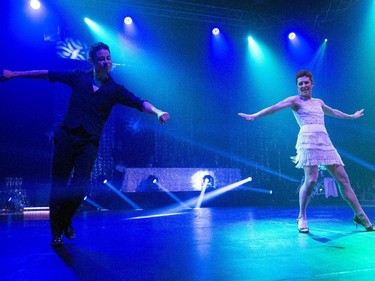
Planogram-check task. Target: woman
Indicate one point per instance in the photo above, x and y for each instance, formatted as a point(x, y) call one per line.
point(314, 147)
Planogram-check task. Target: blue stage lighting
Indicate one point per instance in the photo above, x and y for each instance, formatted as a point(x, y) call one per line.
point(152, 183)
point(128, 20)
point(35, 4)
point(209, 181)
point(215, 31)
point(292, 36)
point(121, 194)
point(255, 50)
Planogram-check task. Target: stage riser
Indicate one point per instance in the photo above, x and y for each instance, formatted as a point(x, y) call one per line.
point(177, 179)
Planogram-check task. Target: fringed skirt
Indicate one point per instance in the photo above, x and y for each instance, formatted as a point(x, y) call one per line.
point(314, 148)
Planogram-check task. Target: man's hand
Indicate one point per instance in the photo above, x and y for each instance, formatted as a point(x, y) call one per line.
point(5, 75)
point(163, 117)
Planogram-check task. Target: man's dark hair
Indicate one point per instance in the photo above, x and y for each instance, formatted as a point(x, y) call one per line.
point(96, 47)
point(303, 73)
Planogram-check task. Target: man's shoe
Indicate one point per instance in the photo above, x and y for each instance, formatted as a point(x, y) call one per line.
point(56, 241)
point(69, 232)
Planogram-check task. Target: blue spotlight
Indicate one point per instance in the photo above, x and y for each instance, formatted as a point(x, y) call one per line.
point(152, 183)
point(292, 36)
point(96, 28)
point(128, 20)
point(215, 31)
point(35, 4)
point(209, 181)
point(162, 188)
point(96, 205)
point(255, 51)
point(202, 198)
point(122, 195)
point(326, 40)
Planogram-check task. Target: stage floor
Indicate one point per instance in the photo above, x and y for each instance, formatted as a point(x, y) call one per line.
point(199, 244)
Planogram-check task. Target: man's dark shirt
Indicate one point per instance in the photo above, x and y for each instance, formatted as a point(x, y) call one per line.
point(90, 110)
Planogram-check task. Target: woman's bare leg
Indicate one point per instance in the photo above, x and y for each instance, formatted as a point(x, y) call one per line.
point(347, 192)
point(311, 176)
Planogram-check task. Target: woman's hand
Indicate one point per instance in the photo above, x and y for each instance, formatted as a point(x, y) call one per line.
point(358, 114)
point(247, 117)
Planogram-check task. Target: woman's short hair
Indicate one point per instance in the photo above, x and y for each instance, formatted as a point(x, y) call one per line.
point(304, 73)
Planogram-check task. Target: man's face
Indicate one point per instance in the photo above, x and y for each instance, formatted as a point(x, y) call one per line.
point(304, 86)
point(102, 62)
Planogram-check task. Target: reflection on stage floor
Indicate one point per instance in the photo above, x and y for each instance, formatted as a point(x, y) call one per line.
point(237, 243)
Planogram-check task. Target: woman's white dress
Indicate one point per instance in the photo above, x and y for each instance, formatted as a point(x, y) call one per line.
point(314, 147)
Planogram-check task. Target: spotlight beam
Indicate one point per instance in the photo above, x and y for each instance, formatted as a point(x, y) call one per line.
point(231, 156)
point(178, 209)
point(119, 193)
point(96, 205)
point(319, 58)
point(357, 160)
point(201, 195)
point(210, 195)
point(260, 190)
point(224, 189)
point(172, 196)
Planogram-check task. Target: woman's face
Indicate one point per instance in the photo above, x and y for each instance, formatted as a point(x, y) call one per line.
point(304, 86)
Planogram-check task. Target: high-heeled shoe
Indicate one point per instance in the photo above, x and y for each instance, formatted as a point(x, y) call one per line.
point(360, 220)
point(302, 226)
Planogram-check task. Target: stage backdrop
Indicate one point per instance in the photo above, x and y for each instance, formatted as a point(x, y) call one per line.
point(176, 179)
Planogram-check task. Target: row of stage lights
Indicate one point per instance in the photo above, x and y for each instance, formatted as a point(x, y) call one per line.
point(216, 31)
point(36, 5)
point(293, 36)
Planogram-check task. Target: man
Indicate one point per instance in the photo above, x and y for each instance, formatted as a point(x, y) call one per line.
point(94, 93)
point(314, 147)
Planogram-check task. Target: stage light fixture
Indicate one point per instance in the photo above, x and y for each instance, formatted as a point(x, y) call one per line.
point(128, 20)
point(152, 183)
point(15, 204)
point(35, 4)
point(326, 40)
point(208, 181)
point(215, 31)
point(292, 36)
